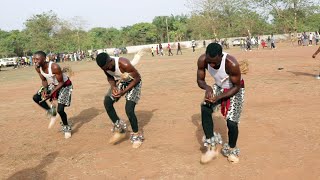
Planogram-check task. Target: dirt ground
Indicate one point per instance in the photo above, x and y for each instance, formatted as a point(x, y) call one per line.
point(279, 129)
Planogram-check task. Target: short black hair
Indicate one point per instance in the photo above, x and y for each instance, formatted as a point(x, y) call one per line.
point(102, 59)
point(41, 53)
point(214, 49)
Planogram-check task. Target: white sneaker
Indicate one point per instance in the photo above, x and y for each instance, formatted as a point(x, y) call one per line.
point(212, 153)
point(117, 136)
point(233, 158)
point(119, 132)
point(52, 121)
point(231, 153)
point(136, 140)
point(318, 77)
point(67, 131)
point(67, 135)
point(136, 144)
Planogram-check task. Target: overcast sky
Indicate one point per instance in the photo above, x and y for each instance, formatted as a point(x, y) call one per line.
point(96, 13)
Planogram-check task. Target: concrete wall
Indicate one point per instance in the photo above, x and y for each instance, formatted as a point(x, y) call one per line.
point(186, 44)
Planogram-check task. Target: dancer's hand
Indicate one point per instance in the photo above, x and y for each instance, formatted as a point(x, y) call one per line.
point(209, 93)
point(211, 100)
point(114, 91)
point(48, 96)
point(44, 94)
point(118, 94)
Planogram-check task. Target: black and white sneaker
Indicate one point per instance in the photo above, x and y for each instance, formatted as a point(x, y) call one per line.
point(67, 131)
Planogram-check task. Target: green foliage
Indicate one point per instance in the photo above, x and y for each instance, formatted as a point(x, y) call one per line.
point(104, 37)
point(140, 33)
point(311, 23)
point(289, 15)
point(208, 19)
point(39, 31)
point(6, 46)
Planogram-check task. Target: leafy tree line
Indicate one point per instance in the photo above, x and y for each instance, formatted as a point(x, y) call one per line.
point(208, 19)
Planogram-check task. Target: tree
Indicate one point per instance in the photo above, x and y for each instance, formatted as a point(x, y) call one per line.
point(12, 43)
point(39, 31)
point(287, 15)
point(179, 29)
point(218, 17)
point(161, 26)
point(78, 24)
point(141, 33)
point(5, 44)
point(200, 27)
point(104, 37)
point(64, 38)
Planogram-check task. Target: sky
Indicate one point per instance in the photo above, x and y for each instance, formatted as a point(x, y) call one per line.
point(95, 13)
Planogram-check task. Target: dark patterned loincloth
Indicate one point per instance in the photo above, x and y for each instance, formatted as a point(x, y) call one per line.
point(236, 103)
point(132, 95)
point(64, 94)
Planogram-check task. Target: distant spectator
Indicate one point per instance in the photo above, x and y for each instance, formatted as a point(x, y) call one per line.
point(248, 40)
point(305, 39)
point(259, 41)
point(31, 62)
point(161, 49)
point(242, 46)
point(273, 42)
point(263, 44)
point(152, 51)
point(269, 41)
point(169, 50)
point(310, 38)
point(317, 36)
point(179, 49)
point(300, 40)
point(193, 44)
point(157, 50)
point(116, 52)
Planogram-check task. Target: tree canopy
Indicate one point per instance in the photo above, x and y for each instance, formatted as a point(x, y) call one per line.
point(207, 19)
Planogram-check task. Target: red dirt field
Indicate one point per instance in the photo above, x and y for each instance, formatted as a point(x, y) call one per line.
point(279, 129)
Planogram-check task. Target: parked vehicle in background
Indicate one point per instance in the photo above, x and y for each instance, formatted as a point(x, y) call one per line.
point(10, 61)
point(236, 42)
point(3, 63)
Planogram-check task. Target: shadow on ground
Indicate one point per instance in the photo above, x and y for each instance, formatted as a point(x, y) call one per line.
point(36, 172)
point(84, 117)
point(219, 126)
point(302, 74)
point(144, 117)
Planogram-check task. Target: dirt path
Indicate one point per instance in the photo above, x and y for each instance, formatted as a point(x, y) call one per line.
point(279, 132)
